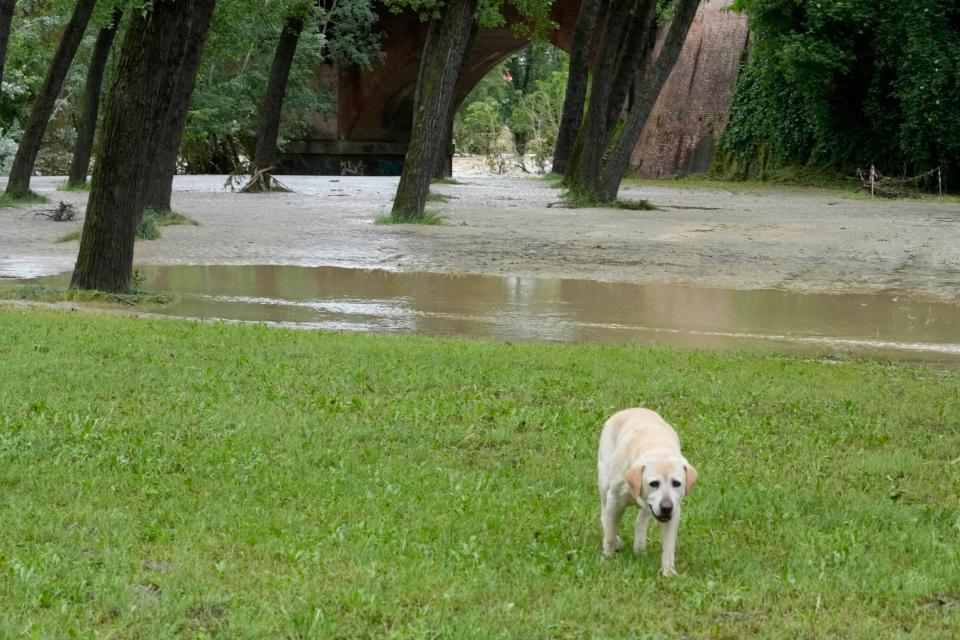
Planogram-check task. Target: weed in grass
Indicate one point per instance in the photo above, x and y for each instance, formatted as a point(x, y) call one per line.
point(148, 228)
point(42, 293)
point(66, 186)
point(633, 205)
point(70, 237)
point(234, 481)
point(446, 181)
point(438, 197)
point(429, 218)
point(8, 201)
point(577, 201)
point(554, 180)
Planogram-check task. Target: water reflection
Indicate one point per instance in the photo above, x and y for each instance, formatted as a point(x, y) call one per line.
point(535, 309)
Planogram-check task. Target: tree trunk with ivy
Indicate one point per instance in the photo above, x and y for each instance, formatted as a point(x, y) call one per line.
point(607, 186)
point(147, 90)
point(577, 80)
point(172, 122)
point(444, 51)
point(86, 131)
point(18, 184)
point(268, 127)
point(6, 17)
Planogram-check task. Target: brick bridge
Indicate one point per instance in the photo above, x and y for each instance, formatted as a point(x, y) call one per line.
point(368, 133)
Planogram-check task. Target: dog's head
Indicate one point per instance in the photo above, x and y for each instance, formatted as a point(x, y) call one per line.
point(661, 484)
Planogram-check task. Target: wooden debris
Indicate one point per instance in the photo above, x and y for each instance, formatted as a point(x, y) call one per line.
point(63, 213)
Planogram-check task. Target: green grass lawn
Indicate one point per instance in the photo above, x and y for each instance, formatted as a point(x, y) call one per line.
point(166, 478)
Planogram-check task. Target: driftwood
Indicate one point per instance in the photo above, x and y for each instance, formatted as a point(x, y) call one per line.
point(261, 180)
point(63, 213)
point(877, 184)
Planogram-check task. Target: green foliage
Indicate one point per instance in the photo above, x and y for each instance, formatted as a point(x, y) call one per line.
point(515, 108)
point(847, 84)
point(230, 84)
point(73, 236)
point(480, 128)
point(183, 479)
point(35, 33)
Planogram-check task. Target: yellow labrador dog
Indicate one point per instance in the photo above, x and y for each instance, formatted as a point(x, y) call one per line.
point(640, 463)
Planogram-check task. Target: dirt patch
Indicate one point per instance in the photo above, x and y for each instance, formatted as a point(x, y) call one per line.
point(798, 240)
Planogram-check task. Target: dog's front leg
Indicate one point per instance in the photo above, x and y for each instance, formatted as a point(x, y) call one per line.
point(610, 517)
point(640, 533)
point(668, 538)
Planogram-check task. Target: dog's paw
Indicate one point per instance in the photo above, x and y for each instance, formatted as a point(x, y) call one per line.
point(611, 548)
point(639, 546)
point(666, 572)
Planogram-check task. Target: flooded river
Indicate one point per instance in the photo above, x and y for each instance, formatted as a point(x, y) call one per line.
point(563, 310)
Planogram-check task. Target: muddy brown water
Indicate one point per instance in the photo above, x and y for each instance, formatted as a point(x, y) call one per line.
point(563, 310)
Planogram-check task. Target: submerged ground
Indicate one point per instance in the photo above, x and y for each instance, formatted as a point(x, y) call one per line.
point(178, 479)
point(798, 240)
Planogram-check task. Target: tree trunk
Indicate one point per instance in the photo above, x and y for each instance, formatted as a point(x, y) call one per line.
point(147, 88)
point(171, 121)
point(443, 167)
point(592, 141)
point(19, 183)
point(443, 55)
point(576, 93)
point(638, 41)
point(268, 128)
point(6, 17)
point(619, 157)
point(91, 101)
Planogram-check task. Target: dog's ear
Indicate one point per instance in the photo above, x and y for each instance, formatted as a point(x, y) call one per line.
point(691, 477)
point(634, 476)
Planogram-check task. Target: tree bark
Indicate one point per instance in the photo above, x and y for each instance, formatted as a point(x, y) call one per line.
point(146, 90)
point(18, 184)
point(444, 164)
point(592, 141)
point(268, 128)
point(172, 120)
point(6, 17)
point(576, 93)
point(443, 167)
point(619, 157)
point(638, 41)
point(443, 54)
point(91, 101)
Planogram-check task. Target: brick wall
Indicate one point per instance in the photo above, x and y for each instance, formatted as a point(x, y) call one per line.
point(694, 105)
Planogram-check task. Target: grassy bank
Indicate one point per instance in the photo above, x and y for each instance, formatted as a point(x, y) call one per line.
point(176, 479)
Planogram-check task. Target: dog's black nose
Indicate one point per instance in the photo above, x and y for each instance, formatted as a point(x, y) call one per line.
point(666, 508)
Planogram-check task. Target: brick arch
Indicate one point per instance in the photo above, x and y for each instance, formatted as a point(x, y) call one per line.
point(370, 128)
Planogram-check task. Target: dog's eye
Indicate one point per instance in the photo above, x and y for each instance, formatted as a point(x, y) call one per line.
point(676, 484)
point(655, 484)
